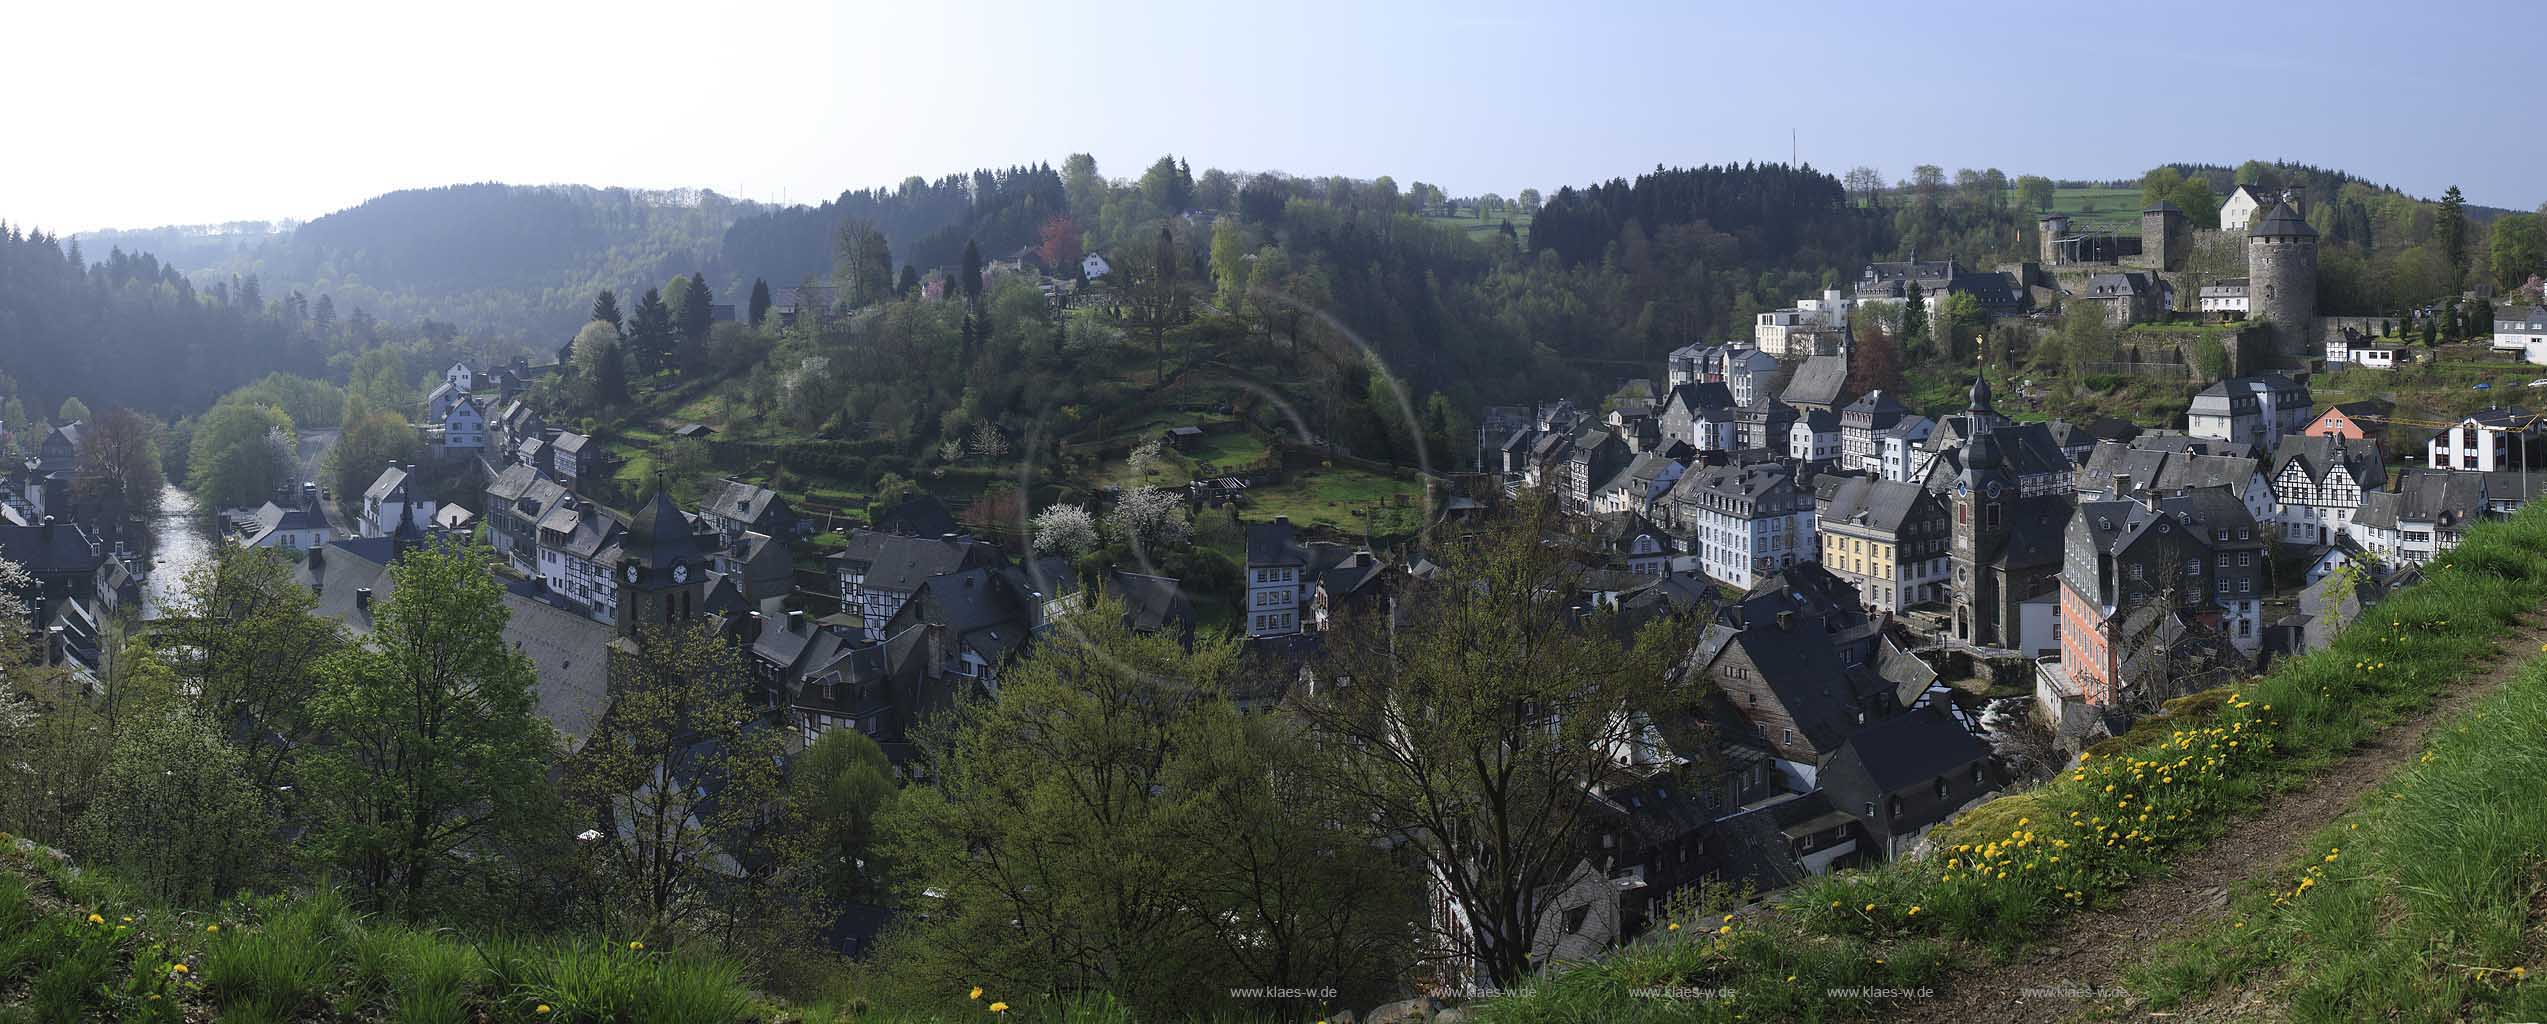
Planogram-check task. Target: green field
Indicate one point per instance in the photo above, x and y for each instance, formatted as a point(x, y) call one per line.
point(1347, 500)
point(1485, 229)
point(2101, 209)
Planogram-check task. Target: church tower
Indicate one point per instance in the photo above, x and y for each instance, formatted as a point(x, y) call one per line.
point(662, 568)
point(1982, 494)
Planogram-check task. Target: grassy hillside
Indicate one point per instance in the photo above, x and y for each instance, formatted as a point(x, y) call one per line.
point(2005, 870)
point(76, 946)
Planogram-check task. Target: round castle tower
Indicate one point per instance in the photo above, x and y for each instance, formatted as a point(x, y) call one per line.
point(2281, 279)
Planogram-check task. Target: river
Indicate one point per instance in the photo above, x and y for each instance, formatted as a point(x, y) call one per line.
point(178, 543)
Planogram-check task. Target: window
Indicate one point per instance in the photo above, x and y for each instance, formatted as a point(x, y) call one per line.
point(1574, 919)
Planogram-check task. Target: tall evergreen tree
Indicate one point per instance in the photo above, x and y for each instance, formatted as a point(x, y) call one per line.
point(606, 310)
point(697, 312)
point(1914, 316)
point(650, 333)
point(2449, 232)
point(759, 309)
point(972, 271)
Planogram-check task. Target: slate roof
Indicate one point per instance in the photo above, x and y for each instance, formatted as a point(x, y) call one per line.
point(54, 549)
point(571, 654)
point(2317, 455)
point(2435, 496)
point(2283, 222)
point(1274, 544)
point(2155, 468)
point(1913, 749)
point(1886, 505)
point(735, 499)
point(976, 606)
point(1822, 380)
point(392, 481)
point(920, 515)
point(271, 518)
point(900, 564)
point(1151, 602)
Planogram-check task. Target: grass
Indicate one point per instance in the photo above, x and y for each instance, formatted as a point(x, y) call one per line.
point(76, 946)
point(1344, 499)
point(2419, 905)
point(2172, 781)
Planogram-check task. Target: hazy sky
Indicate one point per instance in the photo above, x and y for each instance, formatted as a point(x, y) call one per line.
point(127, 115)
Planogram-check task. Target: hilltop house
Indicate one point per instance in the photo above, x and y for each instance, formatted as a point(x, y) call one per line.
point(2523, 330)
point(2242, 205)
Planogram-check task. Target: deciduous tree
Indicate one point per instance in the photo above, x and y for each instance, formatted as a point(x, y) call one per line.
point(1476, 731)
point(434, 747)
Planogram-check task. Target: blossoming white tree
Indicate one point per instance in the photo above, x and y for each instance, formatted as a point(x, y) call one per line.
point(1065, 529)
point(1150, 517)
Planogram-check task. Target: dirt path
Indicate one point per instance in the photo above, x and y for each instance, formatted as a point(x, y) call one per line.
point(2088, 952)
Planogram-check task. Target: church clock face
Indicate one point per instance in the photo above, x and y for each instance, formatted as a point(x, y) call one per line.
point(631, 572)
point(1993, 487)
point(680, 572)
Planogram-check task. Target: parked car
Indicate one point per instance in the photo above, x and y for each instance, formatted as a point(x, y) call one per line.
point(2485, 386)
point(2539, 383)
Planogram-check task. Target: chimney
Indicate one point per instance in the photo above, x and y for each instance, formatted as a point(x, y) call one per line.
point(947, 537)
point(2122, 485)
point(796, 620)
point(1786, 621)
point(362, 598)
point(1282, 520)
point(752, 629)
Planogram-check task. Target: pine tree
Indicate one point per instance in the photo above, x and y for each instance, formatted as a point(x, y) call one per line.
point(972, 272)
point(2449, 231)
point(650, 333)
point(760, 301)
point(606, 310)
point(1914, 316)
point(696, 313)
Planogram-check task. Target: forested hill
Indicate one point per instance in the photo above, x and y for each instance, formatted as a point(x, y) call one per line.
point(509, 260)
point(524, 261)
point(128, 330)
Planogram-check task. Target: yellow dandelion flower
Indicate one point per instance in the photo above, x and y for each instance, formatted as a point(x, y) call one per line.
point(1675, 926)
point(2520, 972)
point(212, 929)
point(1914, 911)
point(1790, 979)
point(1726, 930)
point(541, 1009)
point(1870, 908)
point(999, 1007)
point(637, 947)
point(977, 990)
point(180, 968)
point(94, 919)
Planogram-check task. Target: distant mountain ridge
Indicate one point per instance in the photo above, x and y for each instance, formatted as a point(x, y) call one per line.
point(524, 261)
